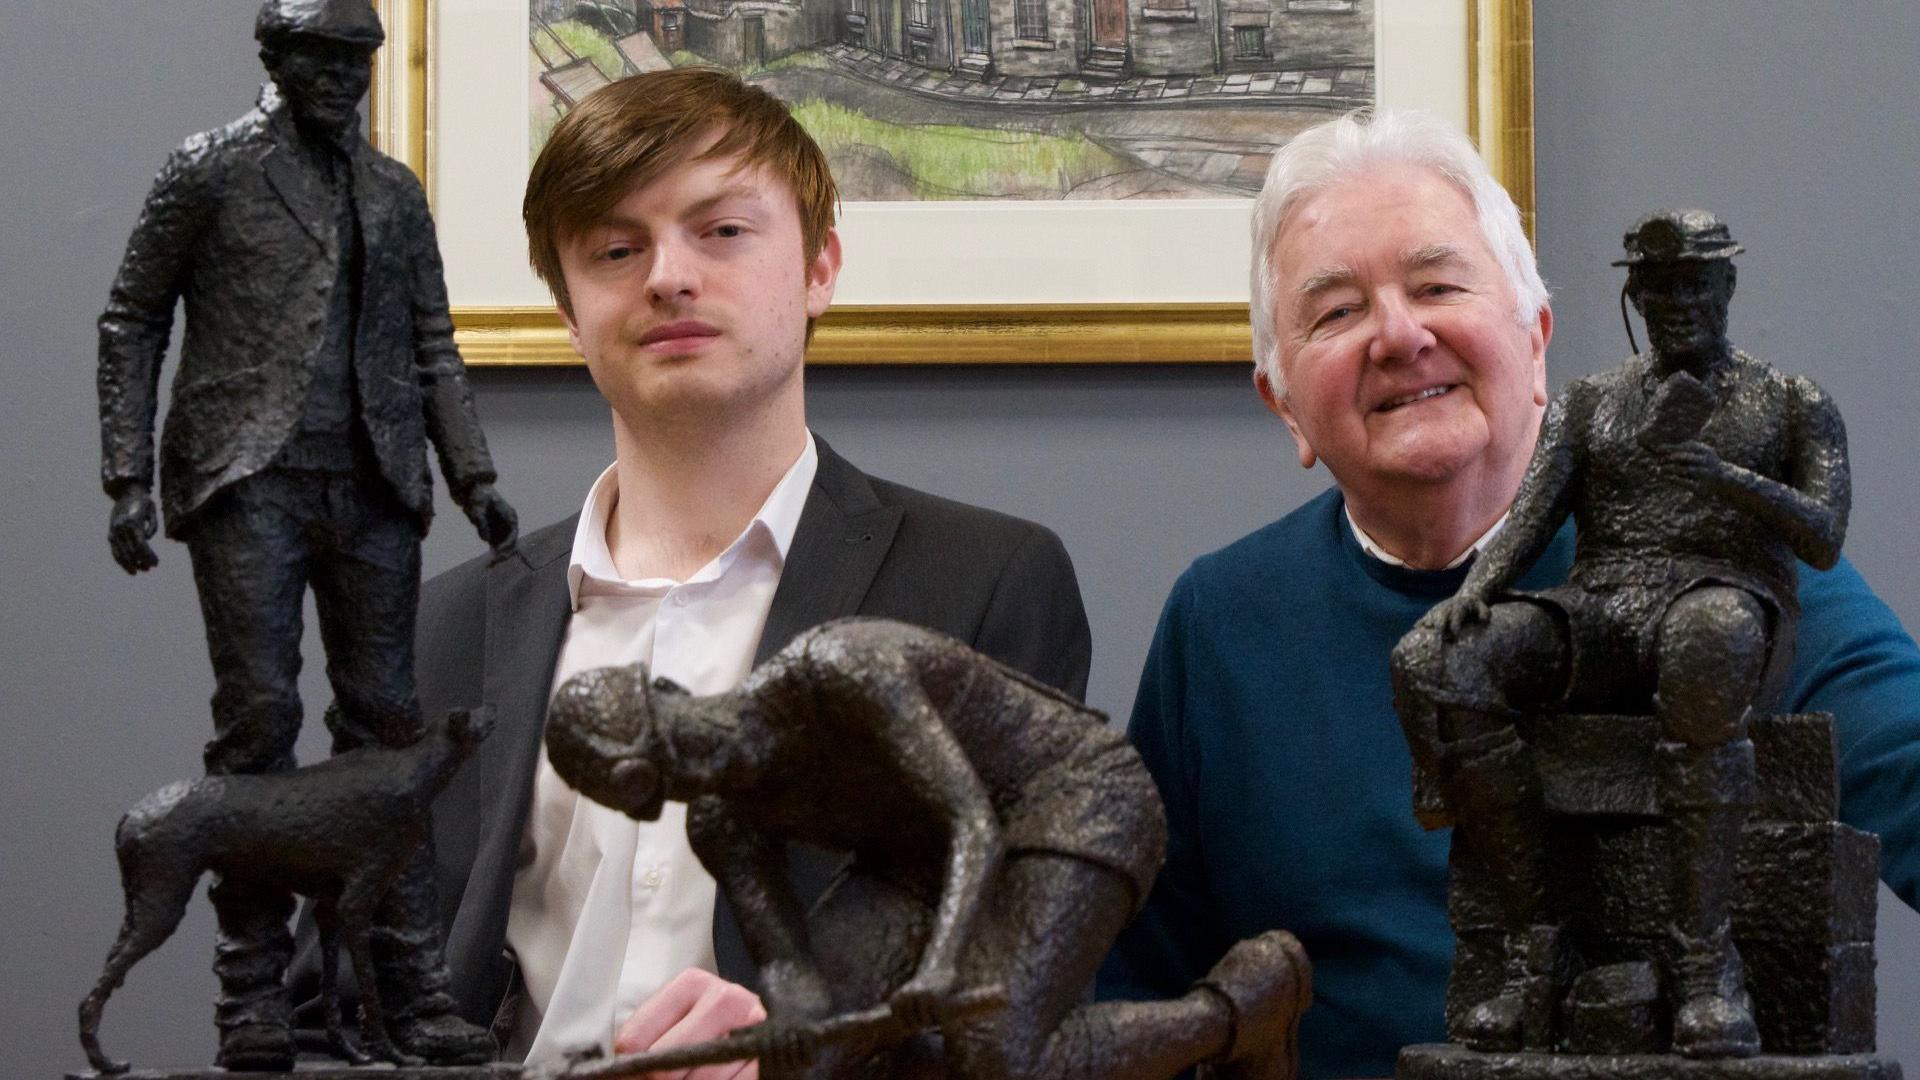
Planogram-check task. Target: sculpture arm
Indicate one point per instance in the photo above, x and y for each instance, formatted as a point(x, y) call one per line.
point(1545, 499)
point(139, 317)
point(452, 423)
point(750, 867)
point(919, 745)
point(1810, 510)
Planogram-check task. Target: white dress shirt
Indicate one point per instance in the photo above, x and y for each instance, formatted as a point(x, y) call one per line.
point(607, 909)
point(1367, 543)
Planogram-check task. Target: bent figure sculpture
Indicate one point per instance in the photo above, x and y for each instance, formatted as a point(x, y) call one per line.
point(1698, 477)
point(1001, 834)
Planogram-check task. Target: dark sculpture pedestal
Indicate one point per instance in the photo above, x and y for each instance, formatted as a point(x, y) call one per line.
point(320, 1070)
point(1444, 1061)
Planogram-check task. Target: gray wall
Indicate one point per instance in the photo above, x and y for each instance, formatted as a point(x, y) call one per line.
point(1791, 119)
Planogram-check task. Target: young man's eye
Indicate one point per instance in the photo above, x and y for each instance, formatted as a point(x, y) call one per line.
point(729, 231)
point(616, 252)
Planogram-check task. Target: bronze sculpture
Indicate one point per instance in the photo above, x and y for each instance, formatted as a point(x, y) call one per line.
point(318, 364)
point(339, 832)
point(1697, 477)
point(1000, 833)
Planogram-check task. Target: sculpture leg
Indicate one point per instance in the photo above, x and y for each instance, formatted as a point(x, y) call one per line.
point(250, 563)
point(1465, 696)
point(1711, 655)
point(254, 1012)
point(366, 586)
point(1049, 922)
point(366, 592)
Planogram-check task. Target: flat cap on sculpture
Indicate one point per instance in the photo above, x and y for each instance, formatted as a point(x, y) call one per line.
point(341, 20)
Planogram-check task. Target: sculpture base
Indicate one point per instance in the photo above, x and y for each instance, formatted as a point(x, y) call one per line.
point(1448, 1062)
point(319, 1070)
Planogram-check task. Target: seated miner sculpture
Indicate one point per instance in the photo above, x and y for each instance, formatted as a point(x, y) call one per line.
point(1697, 477)
point(1001, 834)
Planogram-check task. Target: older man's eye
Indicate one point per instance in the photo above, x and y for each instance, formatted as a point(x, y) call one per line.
point(1334, 314)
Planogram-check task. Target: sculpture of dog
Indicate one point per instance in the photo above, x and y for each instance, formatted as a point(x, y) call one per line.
point(338, 832)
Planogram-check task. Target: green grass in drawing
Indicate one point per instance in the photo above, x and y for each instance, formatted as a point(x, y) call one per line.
point(956, 162)
point(586, 41)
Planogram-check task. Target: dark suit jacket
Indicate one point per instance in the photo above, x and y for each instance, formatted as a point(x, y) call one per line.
point(863, 546)
point(237, 224)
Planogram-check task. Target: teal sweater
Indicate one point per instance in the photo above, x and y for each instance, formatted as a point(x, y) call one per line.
point(1266, 717)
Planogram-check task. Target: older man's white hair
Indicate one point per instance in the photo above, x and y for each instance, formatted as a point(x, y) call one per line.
point(1329, 153)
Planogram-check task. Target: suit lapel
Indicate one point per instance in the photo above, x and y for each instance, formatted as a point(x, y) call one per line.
point(297, 189)
point(527, 613)
point(843, 537)
point(368, 203)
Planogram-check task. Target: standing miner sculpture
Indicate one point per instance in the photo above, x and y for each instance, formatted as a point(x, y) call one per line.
point(1697, 477)
point(1001, 834)
point(318, 363)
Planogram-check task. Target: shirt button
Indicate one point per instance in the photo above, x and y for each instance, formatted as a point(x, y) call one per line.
point(652, 879)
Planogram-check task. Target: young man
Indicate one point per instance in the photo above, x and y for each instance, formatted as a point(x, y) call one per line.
point(685, 224)
point(1400, 330)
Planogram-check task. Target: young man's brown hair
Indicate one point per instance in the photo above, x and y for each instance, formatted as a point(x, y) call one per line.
point(623, 136)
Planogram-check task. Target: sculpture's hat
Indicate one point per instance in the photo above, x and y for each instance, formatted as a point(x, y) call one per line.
point(342, 20)
point(1678, 236)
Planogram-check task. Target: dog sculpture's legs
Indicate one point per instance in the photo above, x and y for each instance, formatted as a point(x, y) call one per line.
point(157, 899)
point(327, 922)
point(354, 914)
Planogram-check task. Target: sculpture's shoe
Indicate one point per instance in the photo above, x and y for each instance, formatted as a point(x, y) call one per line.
point(1268, 983)
point(444, 1039)
point(1497, 1023)
point(256, 1048)
point(1711, 1026)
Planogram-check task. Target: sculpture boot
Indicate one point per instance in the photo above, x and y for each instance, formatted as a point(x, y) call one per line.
point(1714, 1014)
point(1500, 843)
point(254, 1012)
point(1520, 1016)
point(410, 962)
point(1707, 793)
point(1267, 982)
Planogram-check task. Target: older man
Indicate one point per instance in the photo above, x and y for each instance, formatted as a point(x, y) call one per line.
point(1400, 329)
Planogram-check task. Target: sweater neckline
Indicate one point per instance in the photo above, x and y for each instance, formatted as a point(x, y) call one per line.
point(1436, 584)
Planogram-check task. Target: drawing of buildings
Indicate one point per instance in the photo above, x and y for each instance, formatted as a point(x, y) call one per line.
point(1112, 38)
point(1086, 39)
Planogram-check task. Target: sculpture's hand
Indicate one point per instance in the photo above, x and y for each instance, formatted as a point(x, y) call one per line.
point(496, 522)
point(1454, 615)
point(790, 1046)
point(131, 526)
point(1693, 462)
point(920, 1000)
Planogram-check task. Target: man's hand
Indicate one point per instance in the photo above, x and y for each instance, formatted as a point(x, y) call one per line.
point(131, 526)
point(694, 1007)
point(498, 525)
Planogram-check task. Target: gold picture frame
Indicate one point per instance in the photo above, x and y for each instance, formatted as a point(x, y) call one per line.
point(1499, 116)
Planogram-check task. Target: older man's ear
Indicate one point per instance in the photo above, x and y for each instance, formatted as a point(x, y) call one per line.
point(1277, 404)
point(1544, 330)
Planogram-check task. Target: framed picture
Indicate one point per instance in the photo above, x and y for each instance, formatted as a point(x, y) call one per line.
point(1024, 181)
